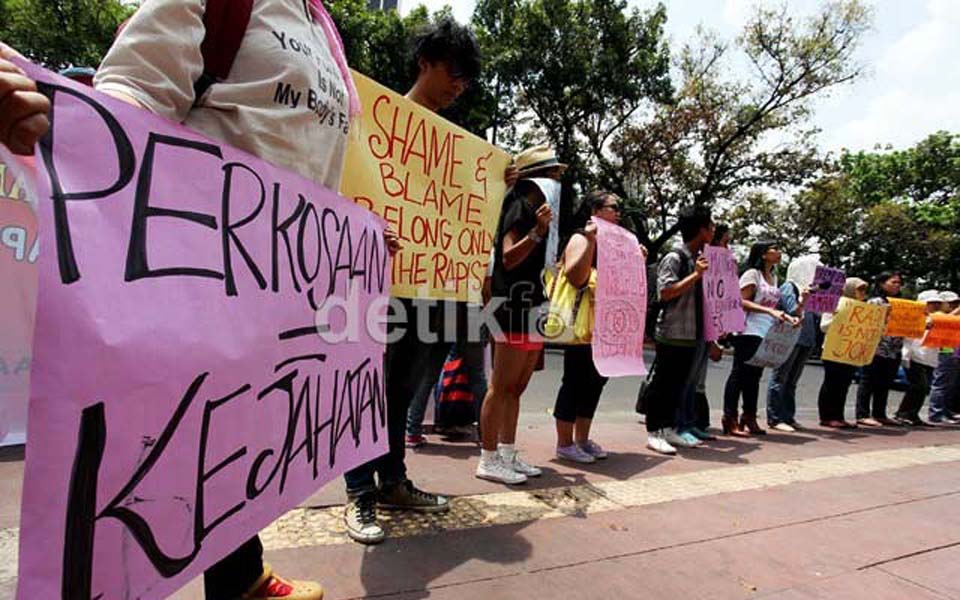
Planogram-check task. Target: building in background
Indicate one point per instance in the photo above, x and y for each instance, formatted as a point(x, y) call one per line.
point(384, 4)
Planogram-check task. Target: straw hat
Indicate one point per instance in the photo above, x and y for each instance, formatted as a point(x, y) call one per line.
point(537, 158)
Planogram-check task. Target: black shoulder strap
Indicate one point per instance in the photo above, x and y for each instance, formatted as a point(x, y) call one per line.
point(684, 267)
point(225, 23)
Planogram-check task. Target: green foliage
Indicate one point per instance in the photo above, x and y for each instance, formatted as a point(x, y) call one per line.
point(377, 43)
point(580, 68)
point(62, 33)
point(874, 211)
point(714, 142)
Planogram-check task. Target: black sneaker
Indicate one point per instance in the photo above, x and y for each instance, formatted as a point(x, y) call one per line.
point(404, 496)
point(360, 519)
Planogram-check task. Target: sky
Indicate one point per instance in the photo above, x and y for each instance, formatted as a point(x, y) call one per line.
point(912, 82)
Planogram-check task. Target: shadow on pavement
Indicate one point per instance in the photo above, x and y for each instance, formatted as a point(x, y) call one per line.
point(405, 567)
point(457, 450)
point(619, 465)
point(724, 450)
point(790, 439)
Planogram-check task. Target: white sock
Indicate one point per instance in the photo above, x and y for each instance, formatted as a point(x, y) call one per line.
point(488, 456)
point(507, 450)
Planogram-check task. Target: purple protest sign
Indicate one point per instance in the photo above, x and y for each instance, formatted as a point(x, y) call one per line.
point(182, 395)
point(827, 289)
point(722, 303)
point(620, 312)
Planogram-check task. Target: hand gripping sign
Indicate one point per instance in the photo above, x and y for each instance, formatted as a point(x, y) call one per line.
point(181, 397)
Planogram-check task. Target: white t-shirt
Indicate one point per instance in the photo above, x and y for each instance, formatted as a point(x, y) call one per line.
point(285, 100)
point(766, 294)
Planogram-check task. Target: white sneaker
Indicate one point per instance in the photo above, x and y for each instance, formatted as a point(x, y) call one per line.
point(784, 427)
point(513, 461)
point(657, 443)
point(679, 441)
point(495, 470)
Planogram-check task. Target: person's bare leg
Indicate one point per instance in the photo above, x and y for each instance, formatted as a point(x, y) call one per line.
point(582, 429)
point(509, 366)
point(564, 433)
point(511, 414)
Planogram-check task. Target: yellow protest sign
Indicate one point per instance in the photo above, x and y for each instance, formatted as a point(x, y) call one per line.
point(438, 186)
point(945, 332)
point(908, 319)
point(854, 333)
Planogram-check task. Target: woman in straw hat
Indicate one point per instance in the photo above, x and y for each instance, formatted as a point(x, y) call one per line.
point(517, 285)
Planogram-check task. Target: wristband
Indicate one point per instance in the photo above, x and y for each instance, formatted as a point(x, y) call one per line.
point(534, 236)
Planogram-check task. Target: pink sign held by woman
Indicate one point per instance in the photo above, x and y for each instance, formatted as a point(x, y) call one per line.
point(621, 303)
point(722, 303)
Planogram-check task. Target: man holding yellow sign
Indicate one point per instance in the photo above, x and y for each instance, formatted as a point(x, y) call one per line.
point(439, 188)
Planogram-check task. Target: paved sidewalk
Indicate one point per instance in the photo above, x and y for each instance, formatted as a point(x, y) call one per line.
point(816, 514)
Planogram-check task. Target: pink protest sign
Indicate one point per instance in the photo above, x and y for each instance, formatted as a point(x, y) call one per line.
point(722, 303)
point(621, 302)
point(827, 289)
point(18, 272)
point(182, 395)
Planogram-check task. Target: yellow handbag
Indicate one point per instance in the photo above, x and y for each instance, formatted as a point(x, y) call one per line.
point(569, 318)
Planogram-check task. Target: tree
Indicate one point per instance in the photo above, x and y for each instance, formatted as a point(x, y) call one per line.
point(377, 42)
point(581, 68)
point(875, 211)
point(717, 139)
point(62, 33)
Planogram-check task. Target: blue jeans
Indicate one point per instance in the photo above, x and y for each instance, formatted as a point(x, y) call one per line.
point(782, 390)
point(687, 408)
point(437, 355)
point(944, 386)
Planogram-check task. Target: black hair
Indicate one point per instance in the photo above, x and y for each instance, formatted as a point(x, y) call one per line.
point(692, 220)
point(721, 230)
point(450, 42)
point(591, 203)
point(882, 278)
point(757, 251)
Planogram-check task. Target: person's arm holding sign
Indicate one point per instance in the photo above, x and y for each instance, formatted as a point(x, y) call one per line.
point(749, 305)
point(682, 286)
point(578, 255)
point(518, 245)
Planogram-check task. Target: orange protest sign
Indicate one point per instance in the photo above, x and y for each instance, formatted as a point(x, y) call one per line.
point(945, 332)
point(908, 319)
